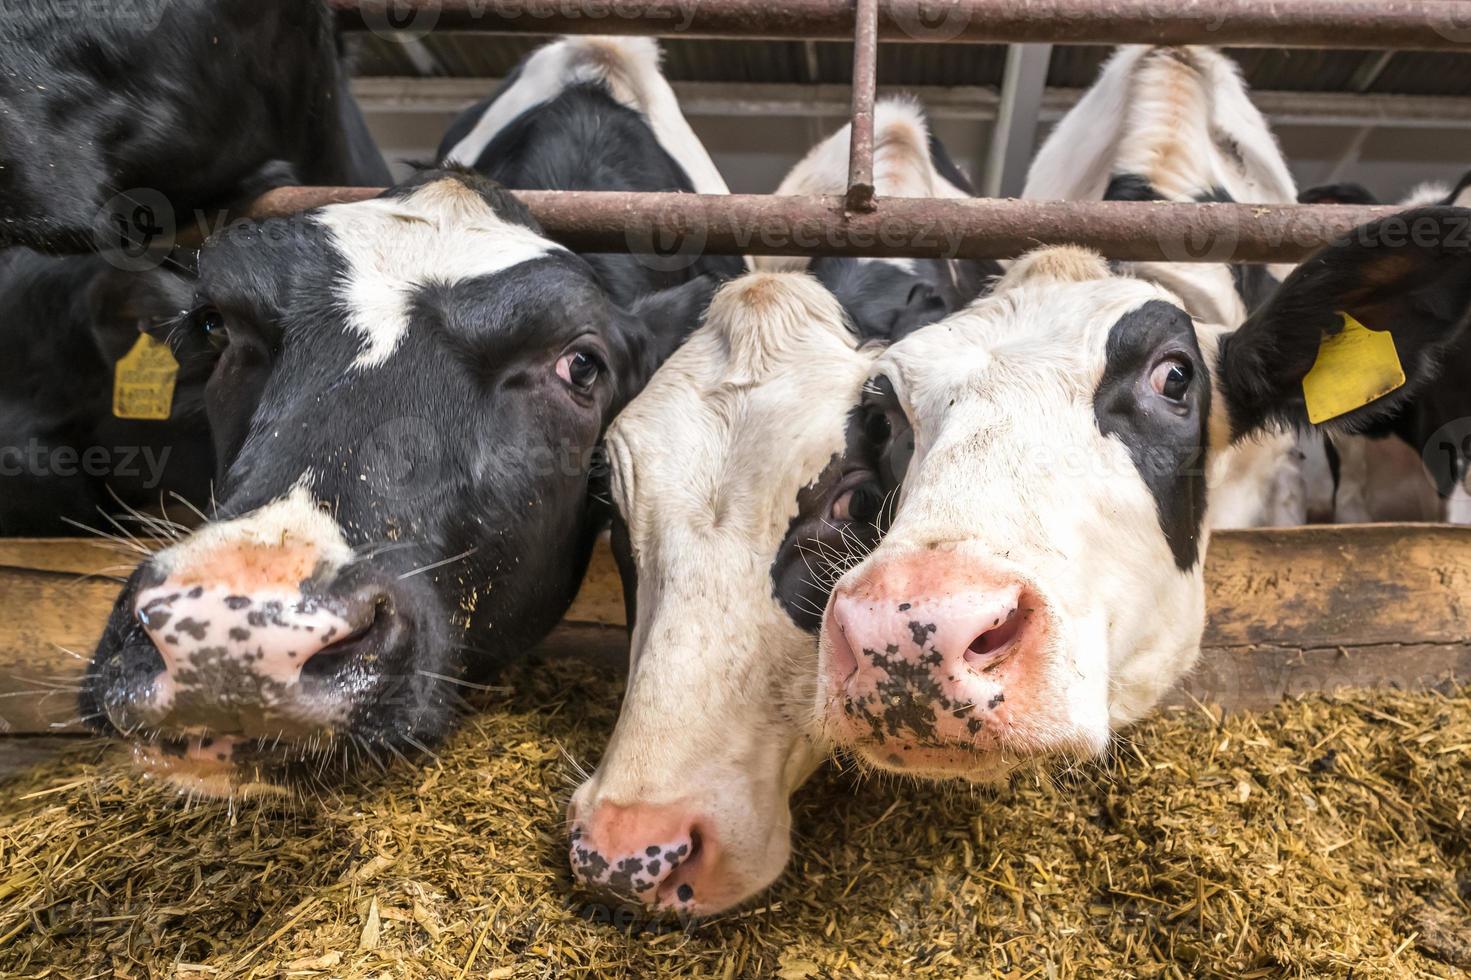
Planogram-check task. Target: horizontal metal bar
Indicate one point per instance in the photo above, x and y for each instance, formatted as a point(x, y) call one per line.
point(1425, 25)
point(981, 228)
point(394, 94)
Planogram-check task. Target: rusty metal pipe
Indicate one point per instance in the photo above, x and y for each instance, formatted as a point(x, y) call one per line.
point(1411, 25)
point(865, 84)
point(674, 225)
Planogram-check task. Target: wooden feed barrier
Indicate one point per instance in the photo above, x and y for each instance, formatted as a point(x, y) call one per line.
point(1292, 610)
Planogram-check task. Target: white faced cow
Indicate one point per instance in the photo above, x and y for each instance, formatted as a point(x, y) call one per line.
point(1177, 124)
point(406, 403)
point(1041, 583)
point(746, 477)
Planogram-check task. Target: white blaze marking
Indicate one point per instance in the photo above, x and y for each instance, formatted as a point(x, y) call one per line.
point(444, 232)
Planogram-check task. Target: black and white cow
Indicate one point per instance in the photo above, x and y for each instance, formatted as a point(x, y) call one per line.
point(64, 454)
point(1178, 124)
point(595, 100)
point(747, 476)
point(407, 404)
point(890, 297)
point(1041, 584)
point(111, 116)
point(1381, 474)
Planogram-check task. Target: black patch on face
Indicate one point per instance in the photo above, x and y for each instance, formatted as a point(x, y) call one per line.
point(1347, 193)
point(820, 545)
point(1130, 187)
point(1166, 439)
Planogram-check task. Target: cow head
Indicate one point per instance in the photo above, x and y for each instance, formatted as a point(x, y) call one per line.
point(1042, 581)
point(406, 400)
point(746, 477)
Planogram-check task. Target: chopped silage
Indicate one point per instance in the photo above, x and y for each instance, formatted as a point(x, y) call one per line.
point(1327, 837)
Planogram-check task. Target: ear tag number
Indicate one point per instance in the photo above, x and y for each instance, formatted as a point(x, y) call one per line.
point(1354, 367)
point(143, 381)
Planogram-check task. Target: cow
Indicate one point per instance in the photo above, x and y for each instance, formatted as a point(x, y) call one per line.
point(68, 448)
point(1041, 583)
point(407, 407)
point(118, 125)
point(595, 100)
point(889, 297)
point(746, 477)
point(1411, 466)
point(1178, 124)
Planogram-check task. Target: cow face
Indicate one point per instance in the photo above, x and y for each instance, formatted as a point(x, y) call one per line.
point(746, 477)
point(407, 397)
point(1042, 582)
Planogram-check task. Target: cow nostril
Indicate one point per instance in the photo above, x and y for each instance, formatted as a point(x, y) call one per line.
point(986, 650)
point(331, 660)
point(678, 887)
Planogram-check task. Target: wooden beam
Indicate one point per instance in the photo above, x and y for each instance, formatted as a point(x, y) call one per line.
point(1292, 610)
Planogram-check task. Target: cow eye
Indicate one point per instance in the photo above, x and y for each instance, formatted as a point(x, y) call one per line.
point(861, 504)
point(579, 369)
point(1171, 378)
point(211, 323)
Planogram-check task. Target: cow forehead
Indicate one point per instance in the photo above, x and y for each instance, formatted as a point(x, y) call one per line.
point(1049, 334)
point(442, 232)
point(734, 424)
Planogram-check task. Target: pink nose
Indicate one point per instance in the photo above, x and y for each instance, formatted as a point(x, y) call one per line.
point(229, 655)
point(656, 855)
point(925, 659)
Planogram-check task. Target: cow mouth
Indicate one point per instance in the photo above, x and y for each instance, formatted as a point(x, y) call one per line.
point(941, 759)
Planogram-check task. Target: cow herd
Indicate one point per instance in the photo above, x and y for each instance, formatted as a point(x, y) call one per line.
point(945, 517)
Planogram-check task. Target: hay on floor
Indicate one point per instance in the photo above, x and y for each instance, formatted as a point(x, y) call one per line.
point(1329, 836)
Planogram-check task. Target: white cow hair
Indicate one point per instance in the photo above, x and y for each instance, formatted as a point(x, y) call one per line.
point(296, 518)
point(443, 232)
point(629, 68)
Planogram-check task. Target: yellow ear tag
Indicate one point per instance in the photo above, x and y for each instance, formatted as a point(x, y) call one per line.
point(1354, 367)
point(143, 381)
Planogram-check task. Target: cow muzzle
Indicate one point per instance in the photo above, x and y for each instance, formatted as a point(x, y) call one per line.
point(266, 663)
point(932, 661)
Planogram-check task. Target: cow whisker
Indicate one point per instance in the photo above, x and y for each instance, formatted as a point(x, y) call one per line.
point(463, 683)
point(438, 564)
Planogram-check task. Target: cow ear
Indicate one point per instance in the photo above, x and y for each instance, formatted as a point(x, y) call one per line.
point(1405, 277)
point(673, 314)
